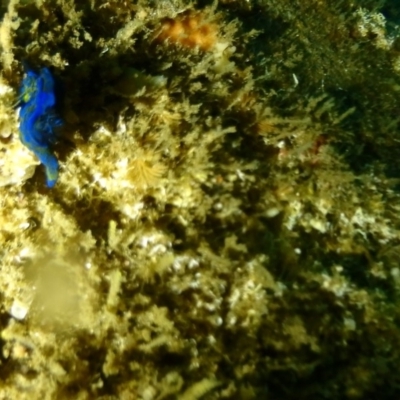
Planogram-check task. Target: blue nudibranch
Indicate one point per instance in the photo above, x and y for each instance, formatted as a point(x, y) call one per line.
point(38, 119)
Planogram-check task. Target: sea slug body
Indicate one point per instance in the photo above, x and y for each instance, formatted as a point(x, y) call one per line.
point(38, 119)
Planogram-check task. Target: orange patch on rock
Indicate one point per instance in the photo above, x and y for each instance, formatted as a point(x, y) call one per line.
point(189, 30)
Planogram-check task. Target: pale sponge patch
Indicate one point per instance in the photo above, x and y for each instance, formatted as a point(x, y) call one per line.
point(17, 164)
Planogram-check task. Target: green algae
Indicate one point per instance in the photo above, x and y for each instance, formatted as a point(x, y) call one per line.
point(225, 224)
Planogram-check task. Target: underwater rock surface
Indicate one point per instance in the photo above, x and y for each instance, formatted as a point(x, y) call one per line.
point(225, 223)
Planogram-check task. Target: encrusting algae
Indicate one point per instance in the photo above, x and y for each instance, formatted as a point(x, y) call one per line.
point(225, 222)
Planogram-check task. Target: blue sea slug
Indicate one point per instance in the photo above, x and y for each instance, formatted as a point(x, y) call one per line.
point(38, 119)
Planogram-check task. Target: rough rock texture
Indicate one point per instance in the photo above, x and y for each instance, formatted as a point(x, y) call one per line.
point(226, 220)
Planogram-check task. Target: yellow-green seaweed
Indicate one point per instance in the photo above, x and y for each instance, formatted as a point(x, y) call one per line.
point(226, 219)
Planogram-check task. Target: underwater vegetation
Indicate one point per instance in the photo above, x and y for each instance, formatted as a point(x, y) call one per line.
point(227, 221)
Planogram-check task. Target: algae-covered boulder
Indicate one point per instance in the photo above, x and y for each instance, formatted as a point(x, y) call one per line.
point(225, 223)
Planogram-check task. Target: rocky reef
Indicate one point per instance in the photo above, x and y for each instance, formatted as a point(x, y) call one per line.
point(226, 219)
